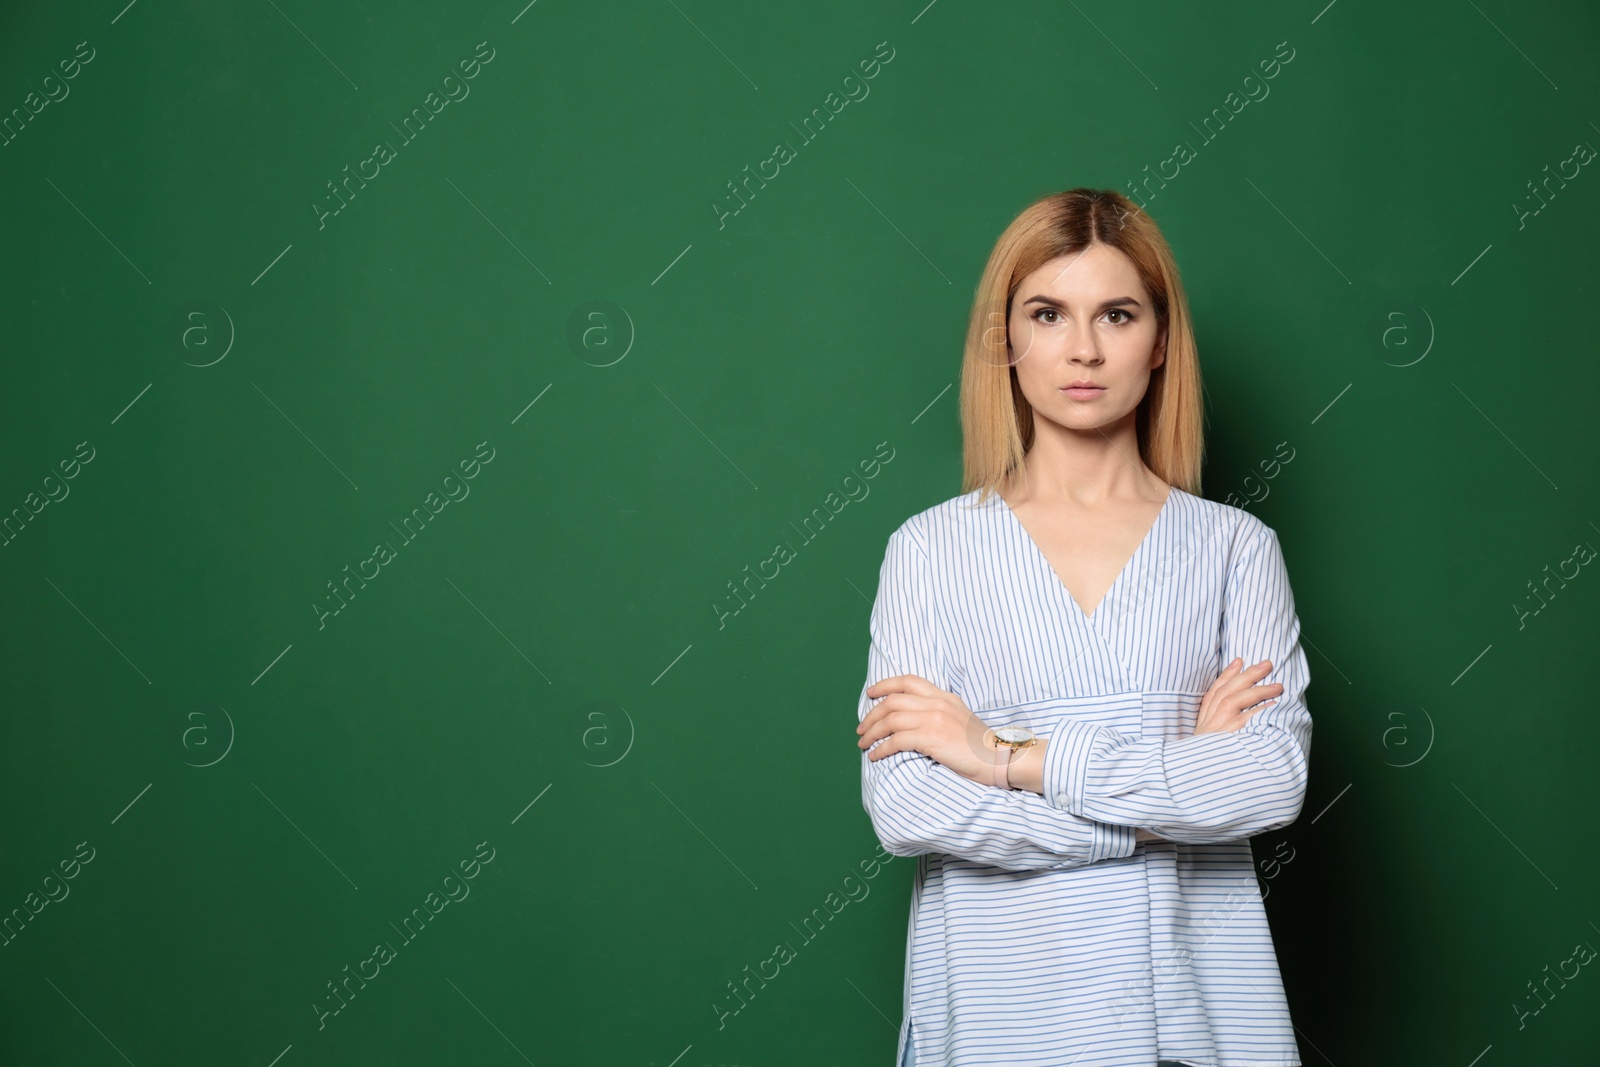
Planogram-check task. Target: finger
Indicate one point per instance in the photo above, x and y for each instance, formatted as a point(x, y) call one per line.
point(881, 726)
point(890, 703)
point(1244, 678)
point(1256, 695)
point(903, 683)
point(899, 741)
point(1226, 707)
point(1227, 671)
point(897, 702)
point(1228, 676)
point(1233, 722)
point(873, 715)
point(1256, 670)
point(898, 721)
point(888, 748)
point(1244, 716)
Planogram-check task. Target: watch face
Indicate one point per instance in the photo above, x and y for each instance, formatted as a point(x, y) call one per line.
point(1013, 735)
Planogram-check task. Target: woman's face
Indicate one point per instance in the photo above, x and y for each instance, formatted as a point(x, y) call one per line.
point(1084, 318)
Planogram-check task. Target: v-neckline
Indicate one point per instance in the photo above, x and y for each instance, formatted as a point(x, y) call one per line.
point(1050, 571)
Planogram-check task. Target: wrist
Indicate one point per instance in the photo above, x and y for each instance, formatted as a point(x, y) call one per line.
point(1026, 771)
point(1000, 757)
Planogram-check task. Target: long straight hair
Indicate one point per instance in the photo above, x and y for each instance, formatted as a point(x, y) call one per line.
point(997, 420)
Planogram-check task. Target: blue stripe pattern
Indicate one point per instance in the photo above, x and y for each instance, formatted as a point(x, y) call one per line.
point(1042, 934)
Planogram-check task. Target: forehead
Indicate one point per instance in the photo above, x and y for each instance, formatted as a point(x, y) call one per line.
point(1099, 272)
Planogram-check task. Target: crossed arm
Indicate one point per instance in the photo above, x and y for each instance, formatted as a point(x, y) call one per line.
point(1097, 787)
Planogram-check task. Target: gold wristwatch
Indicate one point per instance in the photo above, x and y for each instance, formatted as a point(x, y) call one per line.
point(1012, 739)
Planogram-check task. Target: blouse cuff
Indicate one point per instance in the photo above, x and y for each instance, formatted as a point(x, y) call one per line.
point(1066, 765)
point(1112, 841)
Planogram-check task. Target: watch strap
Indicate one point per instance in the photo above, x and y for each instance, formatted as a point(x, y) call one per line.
point(1003, 764)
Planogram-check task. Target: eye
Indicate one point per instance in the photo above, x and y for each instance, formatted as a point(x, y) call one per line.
point(1126, 317)
point(1044, 311)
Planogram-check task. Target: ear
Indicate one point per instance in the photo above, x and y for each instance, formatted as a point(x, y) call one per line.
point(1158, 354)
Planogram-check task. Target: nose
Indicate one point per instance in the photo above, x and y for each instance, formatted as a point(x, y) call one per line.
point(1083, 350)
point(1081, 347)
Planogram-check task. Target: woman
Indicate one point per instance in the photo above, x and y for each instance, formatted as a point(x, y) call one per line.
point(1059, 718)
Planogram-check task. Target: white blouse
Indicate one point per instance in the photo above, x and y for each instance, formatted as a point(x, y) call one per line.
point(1041, 933)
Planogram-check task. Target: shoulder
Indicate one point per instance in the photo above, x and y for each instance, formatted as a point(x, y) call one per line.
point(932, 525)
point(1245, 552)
point(1234, 527)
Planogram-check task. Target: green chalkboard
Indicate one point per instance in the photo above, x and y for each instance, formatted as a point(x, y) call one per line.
point(398, 397)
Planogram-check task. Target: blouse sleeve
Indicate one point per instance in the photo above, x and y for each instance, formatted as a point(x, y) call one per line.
point(917, 804)
point(1214, 786)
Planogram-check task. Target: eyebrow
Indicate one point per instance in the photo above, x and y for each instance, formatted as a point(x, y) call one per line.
point(1050, 301)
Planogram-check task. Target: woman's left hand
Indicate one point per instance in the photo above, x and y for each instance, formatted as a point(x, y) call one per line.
point(916, 715)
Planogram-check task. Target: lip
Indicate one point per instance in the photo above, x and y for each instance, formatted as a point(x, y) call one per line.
point(1081, 390)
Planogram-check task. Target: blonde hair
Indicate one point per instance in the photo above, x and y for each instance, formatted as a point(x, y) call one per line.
point(997, 420)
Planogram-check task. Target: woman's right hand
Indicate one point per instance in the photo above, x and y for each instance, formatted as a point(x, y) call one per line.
point(1228, 705)
point(1233, 697)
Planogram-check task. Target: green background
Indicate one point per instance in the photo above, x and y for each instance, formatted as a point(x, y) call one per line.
point(551, 669)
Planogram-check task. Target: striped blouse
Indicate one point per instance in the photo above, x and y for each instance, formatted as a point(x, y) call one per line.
point(1041, 933)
